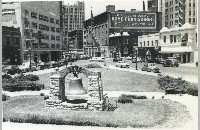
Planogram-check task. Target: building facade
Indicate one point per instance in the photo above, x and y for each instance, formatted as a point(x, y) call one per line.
point(98, 29)
point(178, 12)
point(39, 26)
point(73, 17)
point(11, 45)
point(180, 42)
point(150, 43)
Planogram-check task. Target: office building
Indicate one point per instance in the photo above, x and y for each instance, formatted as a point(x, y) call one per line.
point(39, 24)
point(178, 12)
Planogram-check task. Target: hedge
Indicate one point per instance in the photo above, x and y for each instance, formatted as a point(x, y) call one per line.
point(29, 77)
point(129, 98)
point(93, 65)
point(5, 97)
point(177, 85)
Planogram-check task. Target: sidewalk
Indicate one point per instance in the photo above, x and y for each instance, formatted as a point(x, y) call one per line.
point(188, 64)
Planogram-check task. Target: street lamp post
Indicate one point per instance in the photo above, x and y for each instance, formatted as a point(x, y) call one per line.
point(136, 60)
point(104, 57)
point(30, 58)
point(121, 33)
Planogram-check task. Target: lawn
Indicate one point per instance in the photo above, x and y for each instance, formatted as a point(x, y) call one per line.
point(141, 113)
point(115, 80)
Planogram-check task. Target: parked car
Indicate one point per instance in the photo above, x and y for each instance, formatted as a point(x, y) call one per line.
point(170, 63)
point(25, 67)
point(44, 65)
point(122, 64)
point(11, 70)
point(150, 67)
point(138, 59)
point(159, 60)
point(54, 64)
point(117, 59)
point(129, 58)
point(152, 60)
point(98, 59)
point(83, 57)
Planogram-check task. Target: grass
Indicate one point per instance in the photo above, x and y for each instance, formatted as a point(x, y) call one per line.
point(115, 80)
point(140, 113)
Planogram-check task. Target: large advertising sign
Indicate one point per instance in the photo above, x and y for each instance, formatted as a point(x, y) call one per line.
point(133, 20)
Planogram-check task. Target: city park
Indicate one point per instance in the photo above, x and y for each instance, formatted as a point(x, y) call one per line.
point(95, 94)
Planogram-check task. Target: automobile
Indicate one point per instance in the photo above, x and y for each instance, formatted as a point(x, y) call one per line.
point(11, 70)
point(196, 64)
point(25, 67)
point(83, 57)
point(150, 67)
point(122, 64)
point(170, 63)
point(129, 58)
point(63, 62)
point(44, 65)
point(152, 60)
point(159, 60)
point(138, 59)
point(117, 59)
point(54, 64)
point(98, 59)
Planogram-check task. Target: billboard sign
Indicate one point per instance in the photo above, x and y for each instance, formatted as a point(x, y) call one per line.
point(133, 20)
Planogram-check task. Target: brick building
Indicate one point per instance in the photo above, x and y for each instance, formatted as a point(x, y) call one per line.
point(11, 45)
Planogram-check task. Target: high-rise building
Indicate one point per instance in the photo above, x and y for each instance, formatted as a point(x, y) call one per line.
point(178, 12)
point(39, 24)
point(73, 16)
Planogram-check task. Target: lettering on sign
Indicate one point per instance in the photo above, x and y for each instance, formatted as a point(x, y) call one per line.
point(130, 19)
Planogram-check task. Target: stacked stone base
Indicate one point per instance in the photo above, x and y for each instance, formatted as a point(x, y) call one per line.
point(58, 104)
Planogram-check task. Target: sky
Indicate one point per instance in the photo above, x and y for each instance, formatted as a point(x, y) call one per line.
point(99, 6)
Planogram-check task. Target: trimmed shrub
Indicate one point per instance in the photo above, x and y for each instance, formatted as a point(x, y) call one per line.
point(29, 77)
point(177, 85)
point(5, 97)
point(46, 97)
point(129, 98)
point(42, 94)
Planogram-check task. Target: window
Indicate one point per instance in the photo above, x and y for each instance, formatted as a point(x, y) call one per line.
point(151, 43)
point(189, 4)
point(58, 38)
point(47, 28)
point(193, 20)
point(193, 13)
point(164, 39)
point(58, 30)
point(8, 40)
point(16, 40)
point(26, 13)
point(174, 38)
point(52, 20)
point(33, 15)
point(190, 20)
point(141, 44)
point(171, 38)
point(144, 43)
point(57, 22)
point(189, 13)
point(58, 46)
point(156, 42)
point(147, 43)
point(193, 4)
point(53, 46)
point(34, 25)
point(53, 29)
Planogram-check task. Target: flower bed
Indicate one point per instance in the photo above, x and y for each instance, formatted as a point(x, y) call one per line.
point(177, 85)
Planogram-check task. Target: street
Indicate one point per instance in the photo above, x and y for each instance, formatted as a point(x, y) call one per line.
point(187, 72)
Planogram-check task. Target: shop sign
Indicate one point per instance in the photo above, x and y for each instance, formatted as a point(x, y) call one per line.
point(133, 20)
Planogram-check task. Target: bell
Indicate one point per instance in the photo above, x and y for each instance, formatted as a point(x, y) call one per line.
point(76, 87)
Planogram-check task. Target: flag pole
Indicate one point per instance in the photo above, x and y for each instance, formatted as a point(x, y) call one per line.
point(91, 32)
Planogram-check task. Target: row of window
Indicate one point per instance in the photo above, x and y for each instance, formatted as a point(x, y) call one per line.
point(41, 17)
point(174, 38)
point(16, 40)
point(148, 43)
point(47, 45)
point(45, 27)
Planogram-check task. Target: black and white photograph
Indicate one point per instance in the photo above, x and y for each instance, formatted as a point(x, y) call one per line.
point(99, 65)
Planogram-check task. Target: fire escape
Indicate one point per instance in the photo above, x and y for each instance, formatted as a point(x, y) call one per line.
point(181, 12)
